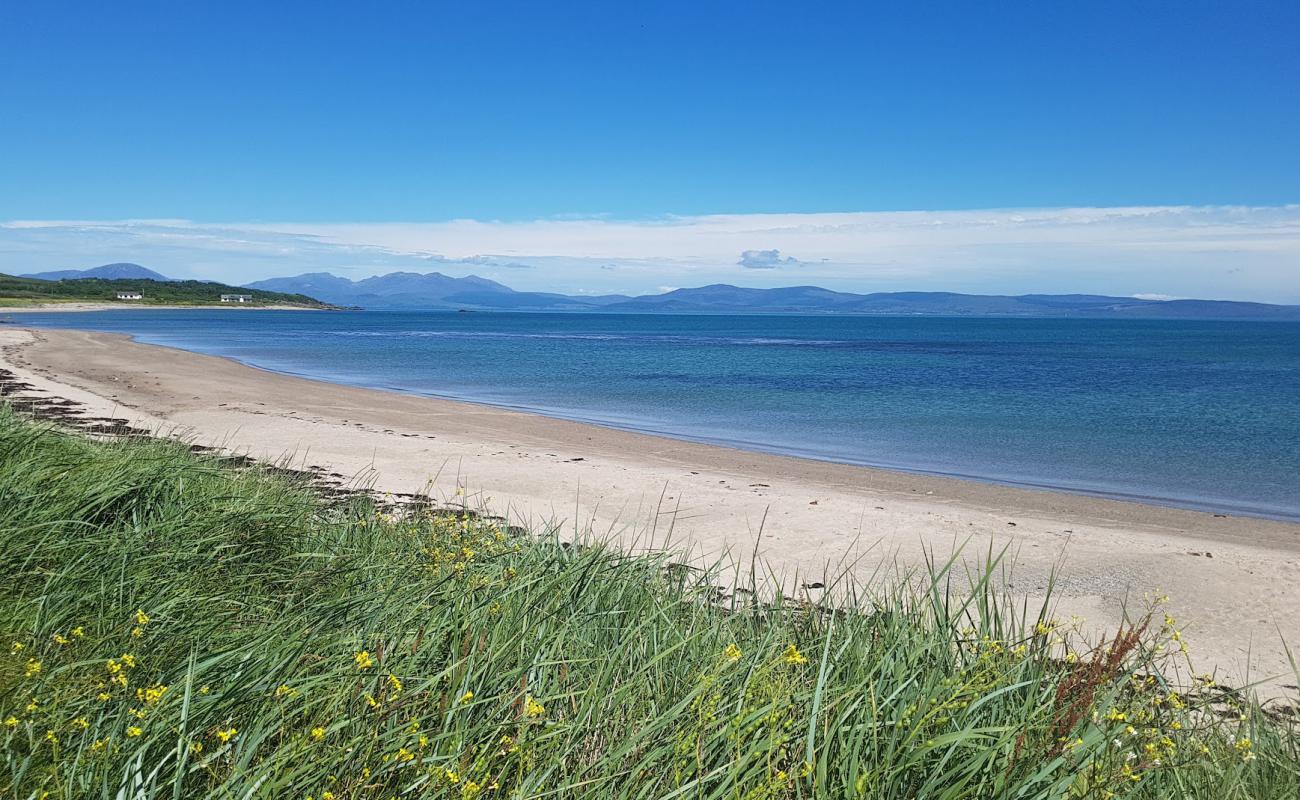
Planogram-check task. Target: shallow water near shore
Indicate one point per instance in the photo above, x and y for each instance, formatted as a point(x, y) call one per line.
point(1197, 414)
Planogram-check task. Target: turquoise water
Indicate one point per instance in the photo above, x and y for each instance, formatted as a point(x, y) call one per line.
point(1197, 414)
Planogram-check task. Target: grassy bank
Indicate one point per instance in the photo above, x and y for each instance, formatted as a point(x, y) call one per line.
point(174, 627)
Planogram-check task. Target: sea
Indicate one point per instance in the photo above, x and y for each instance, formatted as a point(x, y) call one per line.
point(1202, 415)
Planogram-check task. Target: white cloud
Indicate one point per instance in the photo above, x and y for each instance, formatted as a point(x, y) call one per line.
point(1231, 252)
point(764, 259)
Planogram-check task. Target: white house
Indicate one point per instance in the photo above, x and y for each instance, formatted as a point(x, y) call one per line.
point(129, 296)
point(236, 298)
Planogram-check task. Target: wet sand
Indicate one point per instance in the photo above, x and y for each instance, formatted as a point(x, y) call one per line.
point(1233, 582)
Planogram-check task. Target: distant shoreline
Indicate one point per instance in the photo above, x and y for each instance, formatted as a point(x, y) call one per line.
point(77, 306)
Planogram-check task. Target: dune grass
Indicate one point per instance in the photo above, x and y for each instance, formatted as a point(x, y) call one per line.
point(177, 628)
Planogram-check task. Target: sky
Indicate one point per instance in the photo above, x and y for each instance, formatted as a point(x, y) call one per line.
point(1120, 148)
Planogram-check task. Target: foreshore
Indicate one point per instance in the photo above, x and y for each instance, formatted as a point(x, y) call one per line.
point(1232, 581)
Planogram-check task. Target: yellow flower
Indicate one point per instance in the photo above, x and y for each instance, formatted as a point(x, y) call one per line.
point(196, 747)
point(98, 745)
point(137, 632)
point(152, 695)
point(204, 689)
point(317, 733)
point(32, 705)
point(128, 660)
point(11, 721)
point(120, 679)
point(285, 691)
point(371, 701)
point(17, 647)
point(424, 740)
point(103, 697)
point(404, 755)
point(732, 653)
point(468, 696)
point(451, 776)
point(227, 734)
point(141, 618)
point(1115, 715)
point(326, 796)
point(80, 723)
point(113, 666)
point(394, 683)
point(133, 731)
point(51, 737)
point(364, 660)
point(532, 708)
point(61, 640)
point(33, 668)
point(793, 656)
point(78, 632)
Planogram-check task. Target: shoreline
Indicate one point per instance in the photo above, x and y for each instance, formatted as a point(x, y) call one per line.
point(770, 450)
point(1232, 579)
point(1220, 508)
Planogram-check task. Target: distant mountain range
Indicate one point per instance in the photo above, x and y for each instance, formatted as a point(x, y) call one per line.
point(108, 272)
point(435, 290)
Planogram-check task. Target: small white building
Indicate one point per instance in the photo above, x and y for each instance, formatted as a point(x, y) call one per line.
point(236, 298)
point(129, 296)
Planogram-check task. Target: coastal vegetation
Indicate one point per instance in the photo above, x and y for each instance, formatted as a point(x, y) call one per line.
point(15, 291)
point(182, 624)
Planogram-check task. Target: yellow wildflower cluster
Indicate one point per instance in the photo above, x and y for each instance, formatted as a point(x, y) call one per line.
point(141, 619)
point(118, 670)
point(152, 695)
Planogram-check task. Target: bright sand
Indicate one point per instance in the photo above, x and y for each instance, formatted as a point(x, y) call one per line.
point(1232, 581)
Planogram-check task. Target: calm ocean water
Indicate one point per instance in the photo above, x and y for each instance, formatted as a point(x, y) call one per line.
point(1197, 414)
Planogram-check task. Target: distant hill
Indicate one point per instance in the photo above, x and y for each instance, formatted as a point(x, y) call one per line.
point(110, 272)
point(27, 291)
point(427, 290)
point(435, 290)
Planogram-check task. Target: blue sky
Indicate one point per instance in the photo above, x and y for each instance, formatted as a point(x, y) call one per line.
point(366, 117)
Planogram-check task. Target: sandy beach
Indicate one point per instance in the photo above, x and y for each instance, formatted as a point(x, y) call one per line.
point(1232, 581)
